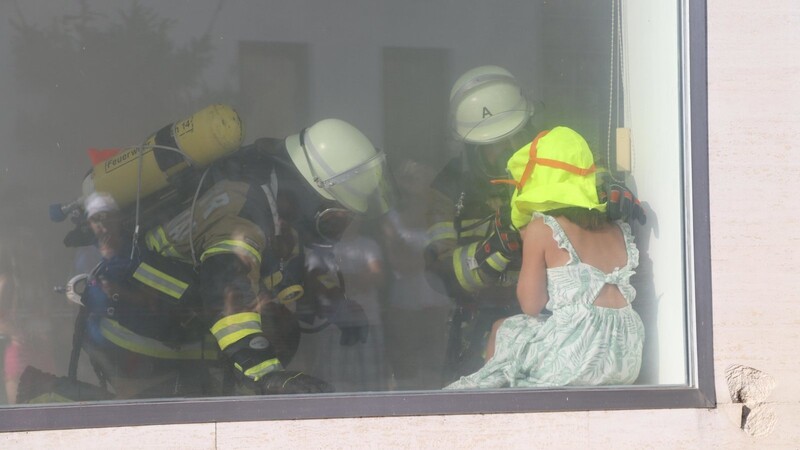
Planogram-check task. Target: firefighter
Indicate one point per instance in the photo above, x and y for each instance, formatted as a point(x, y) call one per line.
point(473, 250)
point(223, 282)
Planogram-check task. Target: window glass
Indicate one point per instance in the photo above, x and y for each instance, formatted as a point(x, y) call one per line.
point(295, 197)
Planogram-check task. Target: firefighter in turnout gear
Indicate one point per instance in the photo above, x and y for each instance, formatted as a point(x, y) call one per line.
point(223, 283)
point(474, 250)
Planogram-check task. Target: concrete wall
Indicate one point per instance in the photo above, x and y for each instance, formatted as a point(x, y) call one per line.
point(754, 127)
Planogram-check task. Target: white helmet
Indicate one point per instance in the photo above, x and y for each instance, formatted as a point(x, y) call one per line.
point(340, 163)
point(487, 105)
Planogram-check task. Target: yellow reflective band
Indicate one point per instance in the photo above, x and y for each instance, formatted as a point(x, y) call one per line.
point(170, 252)
point(232, 328)
point(468, 278)
point(479, 231)
point(259, 370)
point(272, 280)
point(328, 280)
point(162, 235)
point(127, 339)
point(156, 239)
point(440, 231)
point(231, 246)
point(151, 242)
point(160, 281)
point(290, 294)
point(497, 262)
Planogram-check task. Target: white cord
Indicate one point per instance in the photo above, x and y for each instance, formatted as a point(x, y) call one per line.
point(625, 77)
point(611, 87)
point(191, 215)
point(621, 63)
point(271, 192)
point(616, 47)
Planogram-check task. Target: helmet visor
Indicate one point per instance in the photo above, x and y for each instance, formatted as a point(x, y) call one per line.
point(363, 188)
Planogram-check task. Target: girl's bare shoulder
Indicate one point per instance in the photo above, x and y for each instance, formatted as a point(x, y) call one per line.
point(537, 230)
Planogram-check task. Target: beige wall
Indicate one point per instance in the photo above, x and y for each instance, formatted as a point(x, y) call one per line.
point(754, 120)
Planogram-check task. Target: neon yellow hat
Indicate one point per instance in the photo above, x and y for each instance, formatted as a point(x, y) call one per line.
point(555, 171)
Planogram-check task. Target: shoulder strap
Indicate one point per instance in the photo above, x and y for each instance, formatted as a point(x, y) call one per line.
point(560, 236)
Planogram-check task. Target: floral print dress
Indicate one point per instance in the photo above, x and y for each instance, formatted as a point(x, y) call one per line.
point(580, 344)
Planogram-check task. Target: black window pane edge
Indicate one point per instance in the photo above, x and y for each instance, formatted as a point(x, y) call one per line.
point(344, 406)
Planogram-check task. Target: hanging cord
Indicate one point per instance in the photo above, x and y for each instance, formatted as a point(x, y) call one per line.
point(191, 215)
point(620, 66)
point(624, 80)
point(140, 156)
point(271, 191)
point(616, 30)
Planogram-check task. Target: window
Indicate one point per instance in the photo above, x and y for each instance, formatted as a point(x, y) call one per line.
point(119, 77)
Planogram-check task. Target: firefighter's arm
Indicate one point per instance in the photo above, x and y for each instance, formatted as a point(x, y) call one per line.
point(502, 248)
point(621, 203)
point(229, 298)
point(230, 262)
point(473, 266)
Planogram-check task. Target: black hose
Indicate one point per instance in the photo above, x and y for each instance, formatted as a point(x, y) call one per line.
point(77, 340)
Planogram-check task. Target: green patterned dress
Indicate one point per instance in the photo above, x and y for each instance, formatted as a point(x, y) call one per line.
point(580, 344)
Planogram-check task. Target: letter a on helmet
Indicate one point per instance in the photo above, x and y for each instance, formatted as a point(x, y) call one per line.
point(487, 105)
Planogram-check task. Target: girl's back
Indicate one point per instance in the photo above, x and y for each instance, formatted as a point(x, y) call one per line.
point(603, 248)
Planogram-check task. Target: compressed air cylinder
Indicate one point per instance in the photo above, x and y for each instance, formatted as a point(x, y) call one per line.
point(204, 137)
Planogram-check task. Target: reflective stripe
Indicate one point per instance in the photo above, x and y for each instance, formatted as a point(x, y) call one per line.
point(127, 339)
point(468, 278)
point(160, 281)
point(328, 281)
point(150, 241)
point(479, 231)
point(446, 230)
point(272, 280)
point(231, 246)
point(259, 370)
point(170, 252)
point(497, 262)
point(290, 294)
point(156, 240)
point(232, 328)
point(441, 230)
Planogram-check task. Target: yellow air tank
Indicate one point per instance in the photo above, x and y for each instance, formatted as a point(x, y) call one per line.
point(204, 137)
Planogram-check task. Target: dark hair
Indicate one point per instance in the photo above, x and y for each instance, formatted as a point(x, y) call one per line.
point(588, 219)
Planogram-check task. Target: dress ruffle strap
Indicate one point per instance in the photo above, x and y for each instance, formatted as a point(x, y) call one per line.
point(560, 236)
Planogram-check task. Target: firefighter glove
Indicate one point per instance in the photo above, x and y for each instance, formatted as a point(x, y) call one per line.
point(502, 248)
point(253, 358)
point(292, 382)
point(621, 203)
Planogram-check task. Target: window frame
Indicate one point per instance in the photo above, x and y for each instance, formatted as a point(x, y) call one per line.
point(699, 394)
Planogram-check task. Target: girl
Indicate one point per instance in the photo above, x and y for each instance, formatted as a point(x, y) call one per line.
point(578, 265)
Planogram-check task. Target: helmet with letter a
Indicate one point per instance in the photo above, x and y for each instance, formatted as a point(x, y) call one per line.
point(490, 114)
point(347, 173)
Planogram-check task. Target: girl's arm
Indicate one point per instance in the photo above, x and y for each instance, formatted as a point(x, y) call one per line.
point(532, 285)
